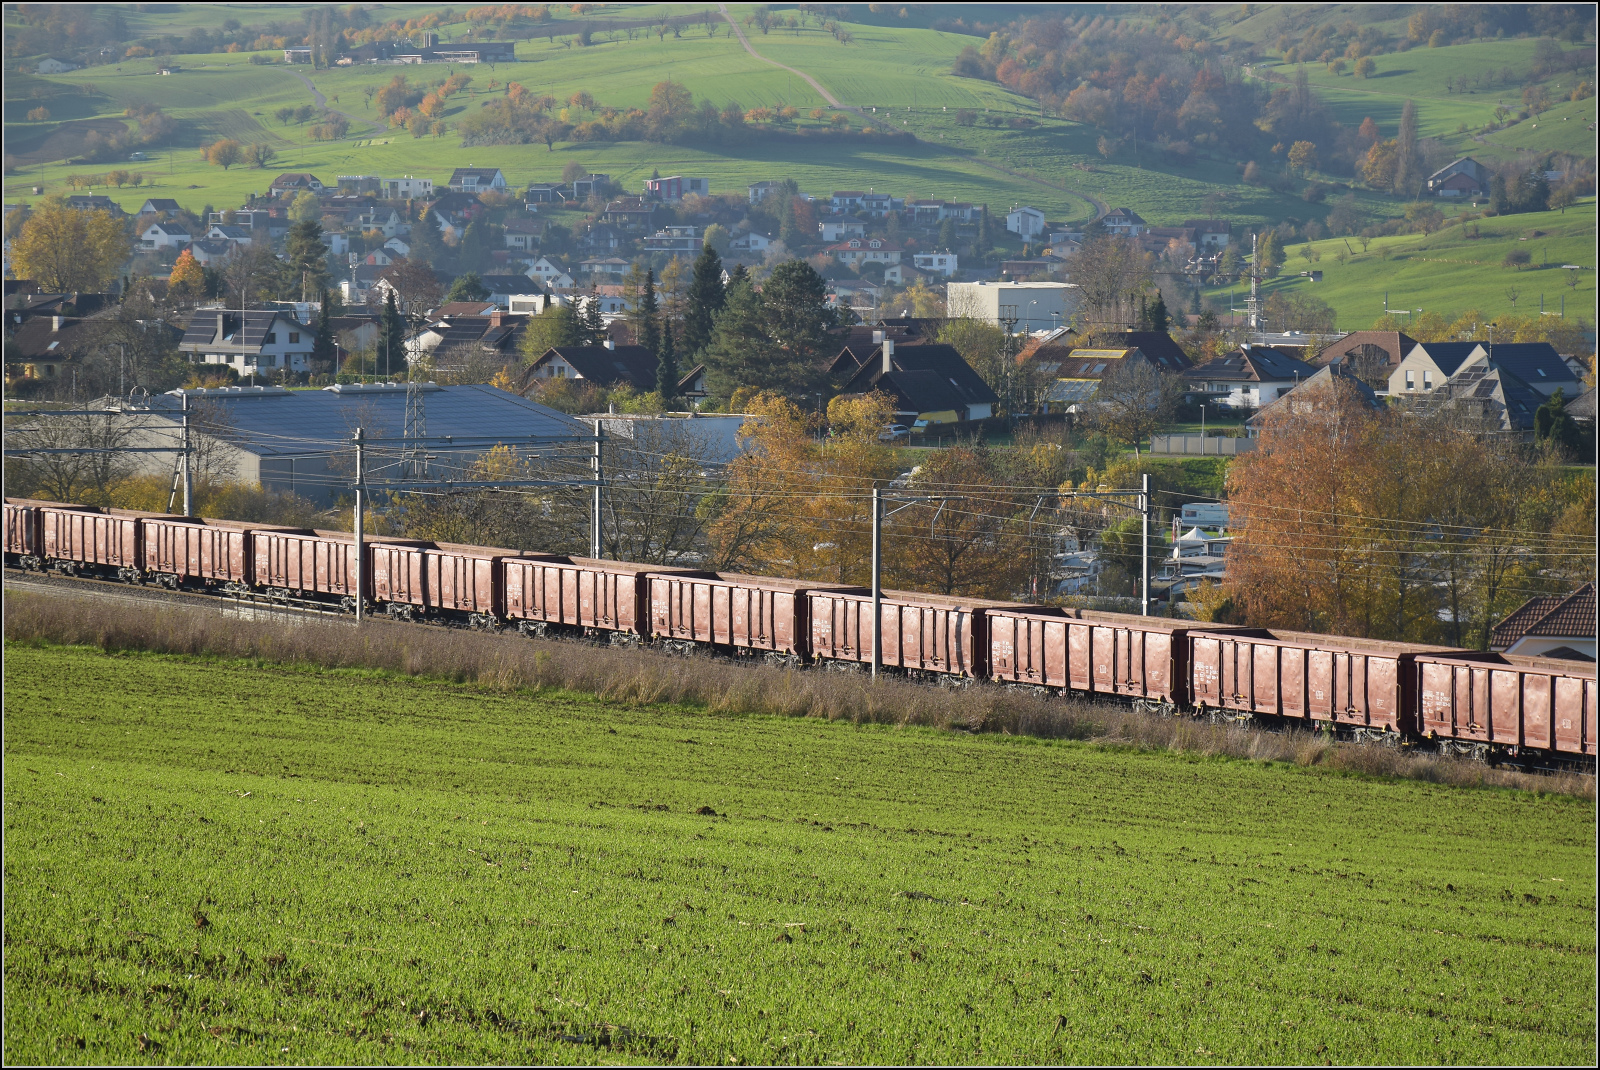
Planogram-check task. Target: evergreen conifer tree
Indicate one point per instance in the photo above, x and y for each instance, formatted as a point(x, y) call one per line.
point(323, 350)
point(391, 336)
point(705, 301)
point(667, 367)
point(594, 327)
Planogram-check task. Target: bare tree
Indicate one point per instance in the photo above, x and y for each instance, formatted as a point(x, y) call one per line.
point(86, 478)
point(657, 481)
point(1134, 401)
point(1111, 272)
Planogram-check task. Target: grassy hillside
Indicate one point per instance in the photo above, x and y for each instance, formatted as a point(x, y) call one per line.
point(1454, 270)
point(220, 861)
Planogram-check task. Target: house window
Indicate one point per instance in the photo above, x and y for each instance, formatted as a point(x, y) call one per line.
point(294, 336)
point(1427, 380)
point(272, 338)
point(1410, 382)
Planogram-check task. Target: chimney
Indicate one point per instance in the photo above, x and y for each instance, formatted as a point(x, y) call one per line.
point(55, 322)
point(877, 338)
point(888, 355)
point(610, 343)
point(494, 318)
point(222, 326)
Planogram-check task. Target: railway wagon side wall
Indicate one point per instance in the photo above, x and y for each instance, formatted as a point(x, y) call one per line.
point(1470, 700)
point(91, 538)
point(751, 612)
point(197, 549)
point(398, 574)
point(316, 563)
point(1121, 654)
point(1302, 677)
point(919, 634)
point(459, 581)
point(574, 592)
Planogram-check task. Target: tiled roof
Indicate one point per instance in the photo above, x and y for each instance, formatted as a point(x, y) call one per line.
point(1448, 356)
point(1255, 364)
point(1551, 616)
point(1535, 363)
point(632, 364)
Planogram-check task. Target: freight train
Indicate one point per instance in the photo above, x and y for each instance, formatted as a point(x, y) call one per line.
point(1483, 704)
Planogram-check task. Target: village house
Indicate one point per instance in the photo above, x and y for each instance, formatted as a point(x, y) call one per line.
point(682, 240)
point(1550, 626)
point(477, 180)
point(930, 384)
point(95, 202)
point(161, 206)
point(1461, 178)
point(263, 341)
point(1250, 377)
point(833, 230)
point(406, 188)
point(674, 188)
point(943, 263)
point(1026, 222)
point(858, 252)
point(292, 184)
point(606, 365)
point(1123, 223)
point(164, 236)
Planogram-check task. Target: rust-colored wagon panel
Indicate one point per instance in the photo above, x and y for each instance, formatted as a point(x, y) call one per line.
point(462, 579)
point(24, 530)
point(195, 548)
point(1355, 682)
point(921, 632)
point(1509, 700)
point(731, 609)
point(105, 539)
point(579, 592)
point(304, 562)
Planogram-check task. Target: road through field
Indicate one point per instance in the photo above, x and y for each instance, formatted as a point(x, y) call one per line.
point(322, 102)
point(1100, 207)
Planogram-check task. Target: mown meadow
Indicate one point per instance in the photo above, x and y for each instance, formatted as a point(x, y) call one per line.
point(216, 859)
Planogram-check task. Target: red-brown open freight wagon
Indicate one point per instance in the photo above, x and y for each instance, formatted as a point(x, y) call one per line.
point(294, 562)
point(1362, 684)
point(181, 550)
point(551, 592)
point(108, 542)
point(1145, 659)
point(1478, 702)
point(25, 532)
point(930, 633)
point(730, 609)
point(413, 577)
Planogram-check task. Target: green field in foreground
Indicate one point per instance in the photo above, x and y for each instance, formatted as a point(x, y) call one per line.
point(213, 861)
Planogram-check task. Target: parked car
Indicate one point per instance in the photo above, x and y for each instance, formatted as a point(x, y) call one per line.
point(893, 432)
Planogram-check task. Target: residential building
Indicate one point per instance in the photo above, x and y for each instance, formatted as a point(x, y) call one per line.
point(858, 252)
point(164, 236)
point(1487, 397)
point(1325, 387)
point(297, 55)
point(1023, 269)
point(46, 347)
point(211, 253)
point(407, 188)
point(292, 184)
point(1465, 177)
point(1078, 372)
point(931, 384)
point(1159, 349)
point(602, 238)
point(684, 241)
point(263, 341)
point(1427, 365)
point(904, 274)
point(675, 188)
point(551, 273)
point(838, 229)
point(1550, 626)
point(1026, 222)
point(1373, 355)
point(587, 186)
point(751, 241)
point(605, 365)
point(525, 234)
point(162, 206)
point(289, 441)
point(943, 263)
point(1537, 364)
point(1211, 235)
point(95, 202)
point(477, 180)
point(604, 265)
point(230, 232)
point(52, 65)
point(630, 213)
point(1123, 223)
point(1026, 306)
point(463, 52)
point(846, 200)
point(875, 205)
point(762, 190)
point(1251, 377)
point(358, 185)
point(396, 246)
point(503, 288)
point(545, 193)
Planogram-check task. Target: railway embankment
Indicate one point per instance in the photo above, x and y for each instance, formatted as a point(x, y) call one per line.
point(723, 686)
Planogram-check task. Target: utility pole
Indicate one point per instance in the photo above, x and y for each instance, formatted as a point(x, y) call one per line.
point(1144, 550)
point(361, 518)
point(594, 506)
point(188, 462)
point(877, 582)
point(1252, 303)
